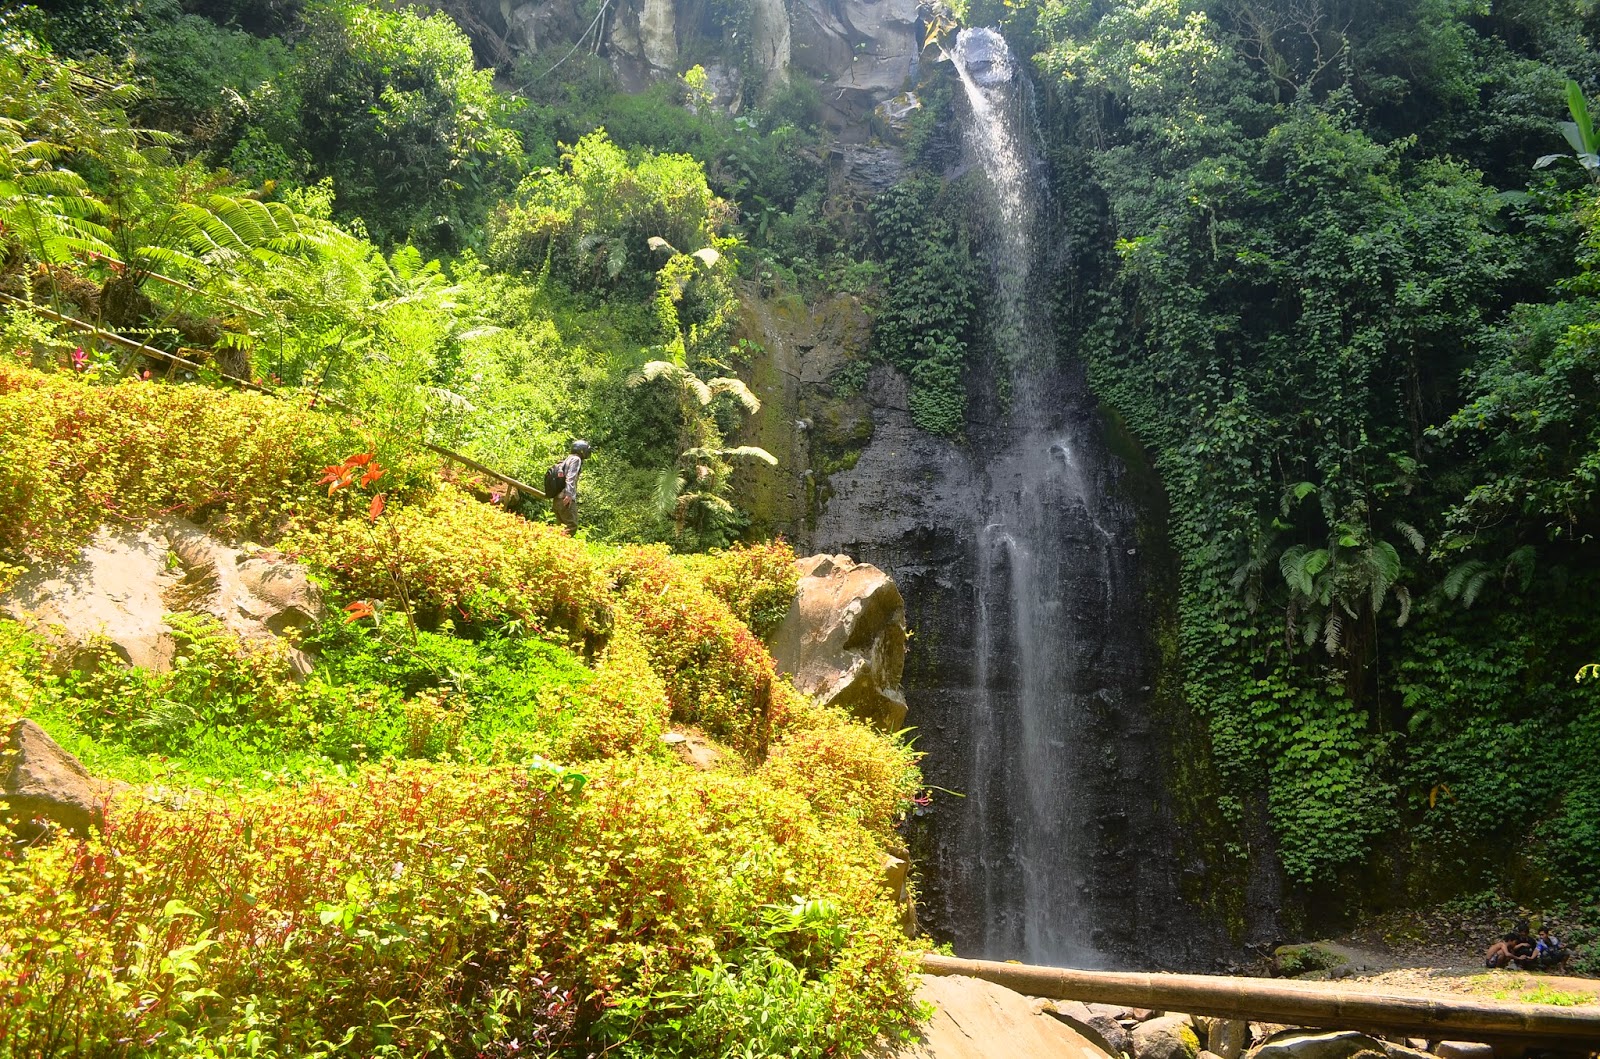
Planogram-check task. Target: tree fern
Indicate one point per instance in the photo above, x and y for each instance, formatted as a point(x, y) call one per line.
point(1300, 566)
point(1382, 570)
point(1465, 581)
point(739, 391)
point(1412, 535)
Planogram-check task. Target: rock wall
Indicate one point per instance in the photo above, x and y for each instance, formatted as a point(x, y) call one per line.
point(860, 52)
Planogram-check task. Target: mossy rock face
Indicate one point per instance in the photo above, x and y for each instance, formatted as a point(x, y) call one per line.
point(1313, 961)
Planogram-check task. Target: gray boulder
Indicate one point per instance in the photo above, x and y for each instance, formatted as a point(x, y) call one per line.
point(1102, 1029)
point(1462, 1050)
point(1315, 1044)
point(46, 788)
point(1227, 1038)
point(1166, 1037)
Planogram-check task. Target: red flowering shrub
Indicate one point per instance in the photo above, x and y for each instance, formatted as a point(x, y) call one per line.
point(842, 768)
point(74, 456)
point(463, 560)
point(756, 581)
point(419, 907)
point(718, 675)
point(449, 907)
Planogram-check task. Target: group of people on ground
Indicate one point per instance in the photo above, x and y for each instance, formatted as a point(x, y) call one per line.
point(1527, 952)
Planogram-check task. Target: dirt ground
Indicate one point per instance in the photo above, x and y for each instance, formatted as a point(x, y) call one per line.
point(1450, 965)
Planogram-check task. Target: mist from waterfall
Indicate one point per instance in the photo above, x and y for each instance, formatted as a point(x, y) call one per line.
point(1045, 571)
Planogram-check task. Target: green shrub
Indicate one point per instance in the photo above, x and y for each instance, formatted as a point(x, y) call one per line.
point(590, 222)
point(717, 673)
point(843, 769)
point(74, 456)
point(431, 906)
point(390, 103)
point(460, 560)
point(756, 581)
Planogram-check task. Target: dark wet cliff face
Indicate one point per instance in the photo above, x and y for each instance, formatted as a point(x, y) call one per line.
point(1084, 867)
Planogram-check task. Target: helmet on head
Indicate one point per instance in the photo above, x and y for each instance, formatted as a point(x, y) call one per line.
point(581, 448)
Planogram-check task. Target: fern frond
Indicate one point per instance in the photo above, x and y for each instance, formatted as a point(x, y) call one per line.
point(737, 390)
point(1301, 565)
point(1475, 585)
point(1455, 582)
point(749, 452)
point(1331, 633)
point(668, 486)
point(1412, 535)
point(1383, 570)
point(1402, 595)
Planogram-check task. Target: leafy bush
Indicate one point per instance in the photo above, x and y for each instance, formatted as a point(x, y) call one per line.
point(591, 221)
point(844, 770)
point(529, 903)
point(459, 560)
point(74, 456)
point(717, 673)
point(927, 317)
point(756, 581)
point(390, 104)
point(194, 64)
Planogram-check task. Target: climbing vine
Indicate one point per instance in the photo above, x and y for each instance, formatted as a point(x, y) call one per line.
point(925, 319)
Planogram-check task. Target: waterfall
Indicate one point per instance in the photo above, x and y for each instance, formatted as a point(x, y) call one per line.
point(1033, 678)
point(1043, 554)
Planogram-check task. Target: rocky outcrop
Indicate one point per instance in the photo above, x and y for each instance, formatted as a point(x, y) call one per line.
point(45, 788)
point(1101, 1027)
point(844, 638)
point(126, 581)
point(1227, 1038)
point(863, 51)
point(974, 1019)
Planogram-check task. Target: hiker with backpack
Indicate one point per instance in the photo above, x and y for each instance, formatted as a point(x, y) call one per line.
point(561, 485)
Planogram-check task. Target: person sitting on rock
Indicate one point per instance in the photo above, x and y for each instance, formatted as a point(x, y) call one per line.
point(1548, 952)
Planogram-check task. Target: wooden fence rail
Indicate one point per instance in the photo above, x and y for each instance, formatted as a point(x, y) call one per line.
point(1436, 1016)
point(184, 362)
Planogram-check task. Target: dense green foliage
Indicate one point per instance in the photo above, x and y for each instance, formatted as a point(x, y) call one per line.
point(463, 832)
point(491, 896)
point(1314, 268)
point(1317, 225)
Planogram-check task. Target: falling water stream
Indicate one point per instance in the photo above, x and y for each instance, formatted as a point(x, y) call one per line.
point(1045, 573)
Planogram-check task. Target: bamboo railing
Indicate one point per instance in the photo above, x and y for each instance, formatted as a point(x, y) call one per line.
point(184, 362)
point(1312, 1004)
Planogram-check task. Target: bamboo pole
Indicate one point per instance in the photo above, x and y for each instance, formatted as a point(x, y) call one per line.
point(1436, 1016)
point(173, 358)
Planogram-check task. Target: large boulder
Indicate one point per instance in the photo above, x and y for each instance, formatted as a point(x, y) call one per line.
point(1227, 1038)
point(44, 787)
point(844, 638)
point(974, 1019)
point(1316, 1044)
point(1100, 1027)
point(1166, 1037)
point(126, 581)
